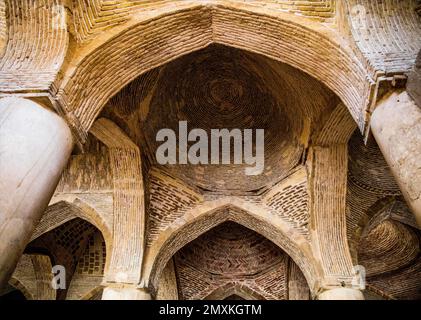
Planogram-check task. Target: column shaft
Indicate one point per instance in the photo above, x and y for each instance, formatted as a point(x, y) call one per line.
point(35, 145)
point(396, 126)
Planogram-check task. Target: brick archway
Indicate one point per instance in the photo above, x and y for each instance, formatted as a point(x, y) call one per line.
point(109, 64)
point(202, 218)
point(64, 211)
point(234, 289)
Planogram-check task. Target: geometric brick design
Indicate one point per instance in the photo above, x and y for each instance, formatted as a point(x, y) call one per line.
point(89, 273)
point(93, 17)
point(291, 202)
point(231, 255)
point(383, 45)
point(169, 199)
point(318, 76)
point(37, 44)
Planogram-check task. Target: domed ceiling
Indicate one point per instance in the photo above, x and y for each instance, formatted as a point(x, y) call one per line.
point(225, 88)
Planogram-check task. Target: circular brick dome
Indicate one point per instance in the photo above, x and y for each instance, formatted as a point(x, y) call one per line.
point(226, 88)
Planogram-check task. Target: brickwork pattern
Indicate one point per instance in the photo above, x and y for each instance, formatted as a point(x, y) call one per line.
point(387, 32)
point(169, 200)
point(128, 203)
point(36, 47)
point(92, 17)
point(225, 26)
point(90, 269)
point(231, 254)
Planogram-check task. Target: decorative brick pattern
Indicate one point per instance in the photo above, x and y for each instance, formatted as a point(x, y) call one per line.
point(66, 244)
point(36, 47)
point(371, 187)
point(92, 17)
point(388, 247)
point(320, 10)
point(328, 207)
point(197, 27)
point(403, 285)
point(168, 287)
point(387, 32)
point(309, 72)
point(291, 201)
point(128, 203)
point(231, 255)
point(414, 79)
point(169, 200)
point(89, 272)
point(92, 262)
point(199, 220)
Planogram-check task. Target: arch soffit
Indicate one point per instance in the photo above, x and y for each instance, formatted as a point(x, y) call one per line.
point(204, 217)
point(138, 47)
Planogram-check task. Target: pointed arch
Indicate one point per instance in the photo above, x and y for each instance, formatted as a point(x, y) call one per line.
point(204, 217)
point(233, 288)
point(64, 211)
point(106, 65)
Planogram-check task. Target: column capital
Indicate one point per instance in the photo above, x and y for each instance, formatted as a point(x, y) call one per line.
point(341, 293)
point(121, 291)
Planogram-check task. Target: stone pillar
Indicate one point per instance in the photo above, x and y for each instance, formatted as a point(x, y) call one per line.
point(341, 294)
point(35, 145)
point(396, 126)
point(125, 292)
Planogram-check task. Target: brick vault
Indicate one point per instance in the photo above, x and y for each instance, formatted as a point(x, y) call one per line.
point(85, 87)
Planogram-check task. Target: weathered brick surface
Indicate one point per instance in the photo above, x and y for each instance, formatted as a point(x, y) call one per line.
point(305, 71)
point(387, 32)
point(92, 17)
point(36, 47)
point(90, 269)
point(231, 254)
point(276, 38)
point(3, 27)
